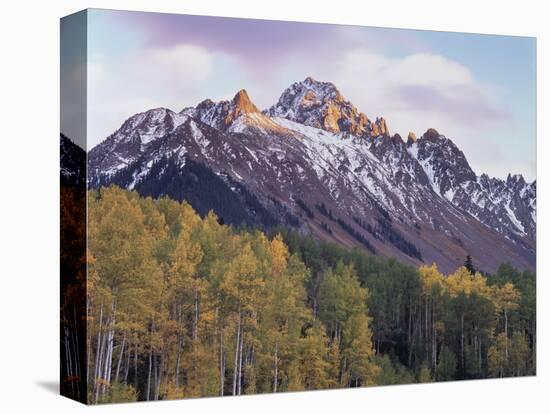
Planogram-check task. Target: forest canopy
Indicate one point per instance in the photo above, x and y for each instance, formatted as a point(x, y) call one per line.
point(183, 306)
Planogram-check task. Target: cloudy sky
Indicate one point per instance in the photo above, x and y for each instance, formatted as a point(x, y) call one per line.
point(478, 90)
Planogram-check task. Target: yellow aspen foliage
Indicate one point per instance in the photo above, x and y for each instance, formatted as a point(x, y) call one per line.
point(173, 392)
point(519, 354)
point(497, 356)
point(431, 278)
point(463, 282)
point(186, 256)
point(279, 254)
point(505, 297)
point(315, 360)
point(180, 305)
point(363, 371)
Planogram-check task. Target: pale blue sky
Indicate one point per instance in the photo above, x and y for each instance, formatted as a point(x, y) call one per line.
point(478, 90)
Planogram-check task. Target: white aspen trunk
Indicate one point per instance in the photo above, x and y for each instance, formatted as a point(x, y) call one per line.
point(239, 382)
point(67, 352)
point(100, 372)
point(155, 377)
point(434, 340)
point(462, 359)
point(76, 347)
point(177, 379)
point(222, 363)
point(76, 353)
point(136, 365)
point(75, 366)
point(68, 356)
point(120, 358)
point(235, 365)
point(181, 343)
point(108, 360)
point(100, 366)
point(106, 372)
point(159, 378)
point(479, 355)
point(475, 344)
point(70, 348)
point(426, 335)
point(409, 331)
point(98, 350)
point(196, 315)
point(109, 357)
point(338, 332)
point(88, 345)
point(343, 370)
point(148, 392)
point(506, 334)
point(276, 368)
point(127, 368)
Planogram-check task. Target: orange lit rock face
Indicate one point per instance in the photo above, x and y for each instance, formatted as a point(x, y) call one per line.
point(310, 99)
point(331, 117)
point(241, 105)
point(379, 127)
point(321, 105)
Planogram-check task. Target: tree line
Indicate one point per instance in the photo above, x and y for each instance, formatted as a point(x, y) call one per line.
point(182, 306)
point(430, 326)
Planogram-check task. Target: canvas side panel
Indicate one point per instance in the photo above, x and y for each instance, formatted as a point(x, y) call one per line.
point(73, 269)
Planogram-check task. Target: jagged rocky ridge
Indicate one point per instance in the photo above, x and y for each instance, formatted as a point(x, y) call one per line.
point(314, 162)
point(321, 105)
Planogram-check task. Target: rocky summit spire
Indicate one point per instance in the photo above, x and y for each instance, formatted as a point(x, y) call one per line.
point(431, 134)
point(379, 127)
point(241, 104)
point(321, 105)
point(411, 139)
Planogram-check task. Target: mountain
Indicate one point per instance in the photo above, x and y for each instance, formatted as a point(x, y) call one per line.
point(321, 105)
point(509, 206)
point(131, 140)
point(72, 163)
point(314, 162)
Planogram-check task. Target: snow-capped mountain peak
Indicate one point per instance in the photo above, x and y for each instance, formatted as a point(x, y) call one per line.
point(242, 104)
point(150, 125)
point(321, 105)
point(314, 152)
point(236, 115)
point(505, 205)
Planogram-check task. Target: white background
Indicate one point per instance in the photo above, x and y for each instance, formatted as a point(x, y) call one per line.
point(29, 211)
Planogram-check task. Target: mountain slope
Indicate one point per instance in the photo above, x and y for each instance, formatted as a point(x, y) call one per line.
point(314, 162)
point(507, 206)
point(72, 163)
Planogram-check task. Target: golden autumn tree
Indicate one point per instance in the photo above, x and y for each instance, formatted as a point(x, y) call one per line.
point(433, 285)
point(506, 298)
point(343, 309)
point(181, 305)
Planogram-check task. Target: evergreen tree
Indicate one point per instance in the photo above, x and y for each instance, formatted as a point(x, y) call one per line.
point(469, 265)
